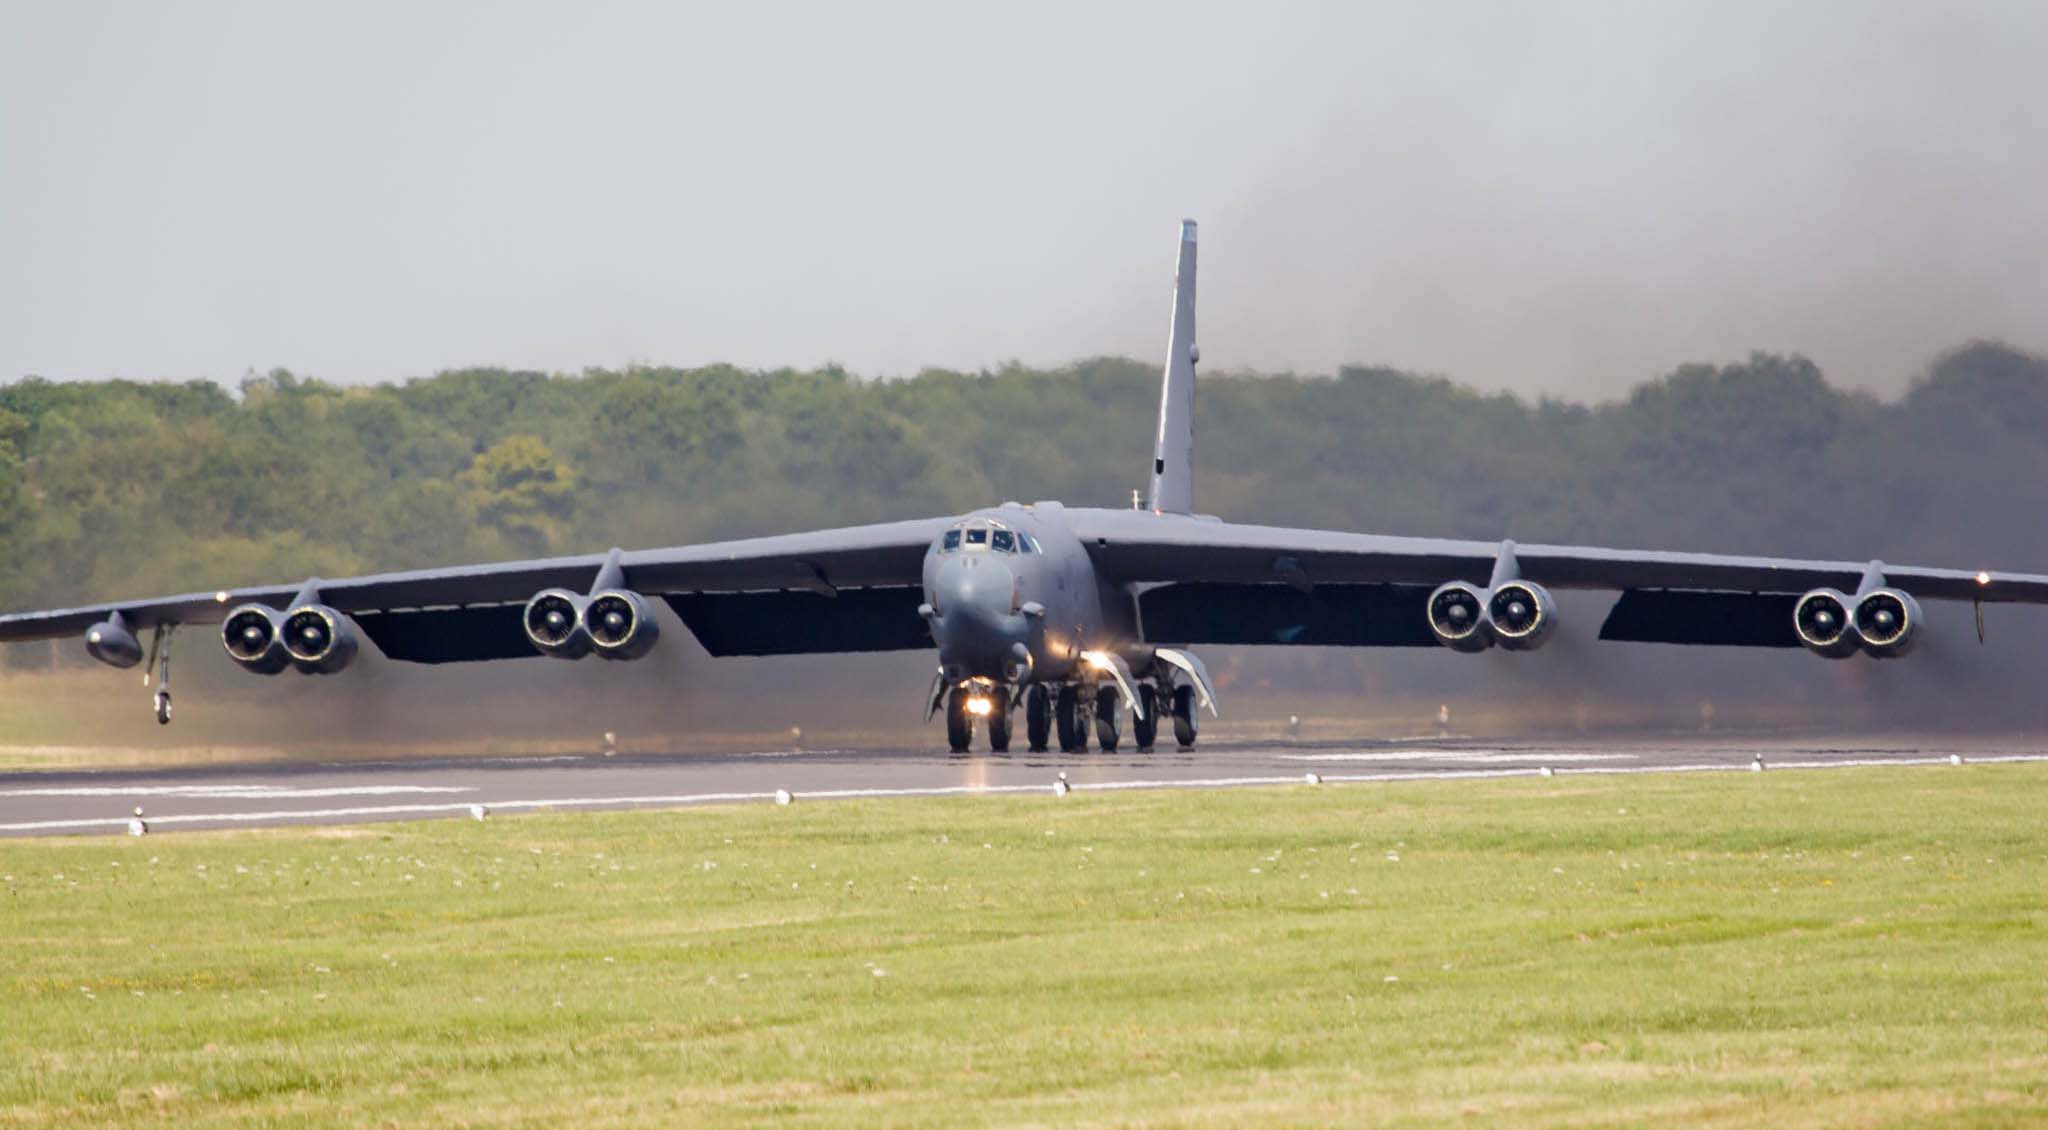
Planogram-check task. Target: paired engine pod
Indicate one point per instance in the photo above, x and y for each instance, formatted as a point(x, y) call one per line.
point(1522, 615)
point(1457, 617)
point(1887, 620)
point(252, 634)
point(110, 642)
point(554, 624)
point(1822, 621)
point(318, 639)
point(619, 624)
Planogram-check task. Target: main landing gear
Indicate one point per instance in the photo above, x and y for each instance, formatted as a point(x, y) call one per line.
point(1070, 714)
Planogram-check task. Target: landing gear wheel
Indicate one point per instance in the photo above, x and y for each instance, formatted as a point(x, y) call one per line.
point(1184, 716)
point(999, 720)
point(1107, 700)
point(959, 724)
point(1066, 716)
point(1037, 717)
point(1145, 723)
point(163, 708)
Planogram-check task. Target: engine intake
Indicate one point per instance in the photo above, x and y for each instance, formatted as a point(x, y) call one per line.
point(554, 624)
point(1822, 621)
point(1522, 615)
point(1457, 617)
point(318, 639)
point(1888, 620)
point(251, 635)
point(110, 642)
point(620, 624)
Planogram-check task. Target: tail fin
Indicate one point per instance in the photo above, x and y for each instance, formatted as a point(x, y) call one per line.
point(1173, 452)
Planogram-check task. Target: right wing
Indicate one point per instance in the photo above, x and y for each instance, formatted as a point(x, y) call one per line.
point(844, 587)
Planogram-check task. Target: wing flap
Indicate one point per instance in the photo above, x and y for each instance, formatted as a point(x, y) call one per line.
point(802, 622)
point(1701, 617)
point(449, 635)
point(1323, 616)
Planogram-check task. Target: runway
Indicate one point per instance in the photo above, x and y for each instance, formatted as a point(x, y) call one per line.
point(72, 803)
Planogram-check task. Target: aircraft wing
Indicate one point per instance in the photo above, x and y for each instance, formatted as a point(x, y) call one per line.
point(1204, 581)
point(743, 594)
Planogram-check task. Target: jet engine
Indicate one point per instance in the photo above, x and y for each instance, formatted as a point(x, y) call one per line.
point(1822, 621)
point(252, 634)
point(619, 624)
point(318, 639)
point(1888, 620)
point(1457, 617)
point(554, 624)
point(1521, 614)
point(110, 642)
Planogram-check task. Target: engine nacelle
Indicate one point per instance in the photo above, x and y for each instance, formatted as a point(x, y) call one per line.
point(1888, 621)
point(253, 636)
point(619, 624)
point(1521, 614)
point(1457, 617)
point(318, 639)
point(554, 624)
point(1823, 622)
point(110, 642)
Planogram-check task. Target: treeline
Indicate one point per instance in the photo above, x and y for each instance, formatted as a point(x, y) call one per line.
point(124, 488)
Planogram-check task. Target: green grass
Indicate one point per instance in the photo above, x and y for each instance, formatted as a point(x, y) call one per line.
point(1865, 948)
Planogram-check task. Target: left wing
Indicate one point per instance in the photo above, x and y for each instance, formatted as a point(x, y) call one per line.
point(1200, 580)
point(473, 612)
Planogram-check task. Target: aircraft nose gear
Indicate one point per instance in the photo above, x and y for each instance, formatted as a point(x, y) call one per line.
point(160, 661)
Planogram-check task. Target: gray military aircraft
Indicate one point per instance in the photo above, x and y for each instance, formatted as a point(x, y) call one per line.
point(1063, 615)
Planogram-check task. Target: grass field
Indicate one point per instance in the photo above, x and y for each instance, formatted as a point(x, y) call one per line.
point(1861, 948)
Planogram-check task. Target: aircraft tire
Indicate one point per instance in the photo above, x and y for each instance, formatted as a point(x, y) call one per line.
point(1066, 716)
point(1184, 716)
point(1037, 717)
point(1144, 730)
point(1107, 701)
point(959, 724)
point(999, 721)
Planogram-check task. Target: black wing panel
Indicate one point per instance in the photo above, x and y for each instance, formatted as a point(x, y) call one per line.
point(1324, 616)
point(800, 622)
point(449, 635)
point(1724, 619)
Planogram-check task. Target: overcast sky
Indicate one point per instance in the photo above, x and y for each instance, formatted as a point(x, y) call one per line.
point(1564, 202)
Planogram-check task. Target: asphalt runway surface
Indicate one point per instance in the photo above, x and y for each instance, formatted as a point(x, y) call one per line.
point(344, 792)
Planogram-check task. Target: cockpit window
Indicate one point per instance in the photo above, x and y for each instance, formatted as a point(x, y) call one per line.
point(977, 536)
point(951, 541)
point(1004, 541)
point(1026, 543)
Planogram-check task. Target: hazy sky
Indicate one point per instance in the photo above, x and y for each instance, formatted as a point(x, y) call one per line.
point(1564, 202)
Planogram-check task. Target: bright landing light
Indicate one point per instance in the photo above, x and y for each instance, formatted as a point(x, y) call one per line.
point(979, 706)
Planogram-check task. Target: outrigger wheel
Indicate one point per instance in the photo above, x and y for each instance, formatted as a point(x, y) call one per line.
point(1037, 717)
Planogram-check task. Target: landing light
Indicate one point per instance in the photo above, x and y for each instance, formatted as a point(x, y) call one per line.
point(979, 706)
point(1983, 578)
point(1098, 660)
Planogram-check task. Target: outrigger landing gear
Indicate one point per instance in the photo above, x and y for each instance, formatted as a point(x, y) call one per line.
point(160, 661)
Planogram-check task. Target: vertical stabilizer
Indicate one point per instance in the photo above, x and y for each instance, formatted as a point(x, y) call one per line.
point(1173, 451)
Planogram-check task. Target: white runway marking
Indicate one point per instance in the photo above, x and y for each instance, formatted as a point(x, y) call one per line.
point(231, 792)
point(1473, 756)
point(687, 799)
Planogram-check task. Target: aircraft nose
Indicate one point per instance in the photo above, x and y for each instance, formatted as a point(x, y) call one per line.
point(978, 626)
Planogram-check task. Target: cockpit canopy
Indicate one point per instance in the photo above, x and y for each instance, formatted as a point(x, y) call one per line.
point(984, 535)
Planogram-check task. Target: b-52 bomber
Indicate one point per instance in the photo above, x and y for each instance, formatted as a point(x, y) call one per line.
point(1077, 619)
